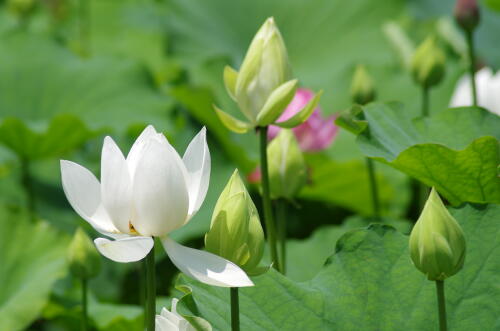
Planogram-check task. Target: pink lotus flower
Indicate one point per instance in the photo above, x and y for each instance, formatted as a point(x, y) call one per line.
point(316, 133)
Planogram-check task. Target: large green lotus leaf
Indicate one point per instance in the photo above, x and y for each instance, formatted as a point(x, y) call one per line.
point(456, 150)
point(64, 133)
point(102, 91)
point(306, 257)
point(137, 31)
point(33, 257)
point(346, 184)
point(369, 284)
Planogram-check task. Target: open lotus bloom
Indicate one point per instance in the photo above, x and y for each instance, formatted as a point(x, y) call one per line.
point(150, 193)
point(171, 320)
point(488, 91)
point(316, 133)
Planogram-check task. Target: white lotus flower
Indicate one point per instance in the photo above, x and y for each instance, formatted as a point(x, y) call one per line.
point(149, 194)
point(488, 91)
point(171, 320)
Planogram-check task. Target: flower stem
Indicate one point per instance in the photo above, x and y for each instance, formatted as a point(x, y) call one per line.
point(441, 305)
point(472, 62)
point(266, 199)
point(425, 101)
point(373, 188)
point(281, 231)
point(85, 325)
point(27, 183)
point(150, 310)
point(235, 309)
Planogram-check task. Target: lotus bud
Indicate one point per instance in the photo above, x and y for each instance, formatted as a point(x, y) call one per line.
point(235, 231)
point(84, 260)
point(467, 14)
point(263, 70)
point(428, 64)
point(437, 243)
point(362, 90)
point(287, 168)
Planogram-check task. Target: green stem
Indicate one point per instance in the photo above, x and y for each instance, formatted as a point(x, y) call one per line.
point(235, 309)
point(266, 198)
point(472, 63)
point(281, 229)
point(150, 291)
point(27, 183)
point(425, 101)
point(85, 325)
point(373, 188)
point(441, 305)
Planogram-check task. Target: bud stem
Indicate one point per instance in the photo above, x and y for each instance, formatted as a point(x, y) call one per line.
point(373, 189)
point(441, 305)
point(235, 309)
point(150, 310)
point(266, 198)
point(281, 207)
point(472, 61)
point(85, 326)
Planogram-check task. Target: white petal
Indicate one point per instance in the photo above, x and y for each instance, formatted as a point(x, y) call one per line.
point(205, 267)
point(197, 162)
point(84, 194)
point(135, 153)
point(159, 190)
point(172, 317)
point(116, 185)
point(163, 324)
point(129, 249)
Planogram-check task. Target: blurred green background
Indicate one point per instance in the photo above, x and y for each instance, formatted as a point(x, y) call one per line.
point(73, 71)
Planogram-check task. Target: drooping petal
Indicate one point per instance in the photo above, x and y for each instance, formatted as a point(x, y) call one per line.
point(205, 267)
point(197, 162)
point(160, 190)
point(129, 249)
point(137, 149)
point(116, 185)
point(84, 194)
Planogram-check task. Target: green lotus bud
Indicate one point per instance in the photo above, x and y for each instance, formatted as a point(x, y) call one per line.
point(437, 243)
point(428, 63)
point(287, 168)
point(235, 231)
point(263, 70)
point(84, 261)
point(362, 90)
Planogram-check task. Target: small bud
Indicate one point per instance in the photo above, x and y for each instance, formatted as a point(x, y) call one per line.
point(467, 14)
point(235, 231)
point(84, 261)
point(437, 243)
point(263, 70)
point(287, 168)
point(428, 64)
point(362, 90)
